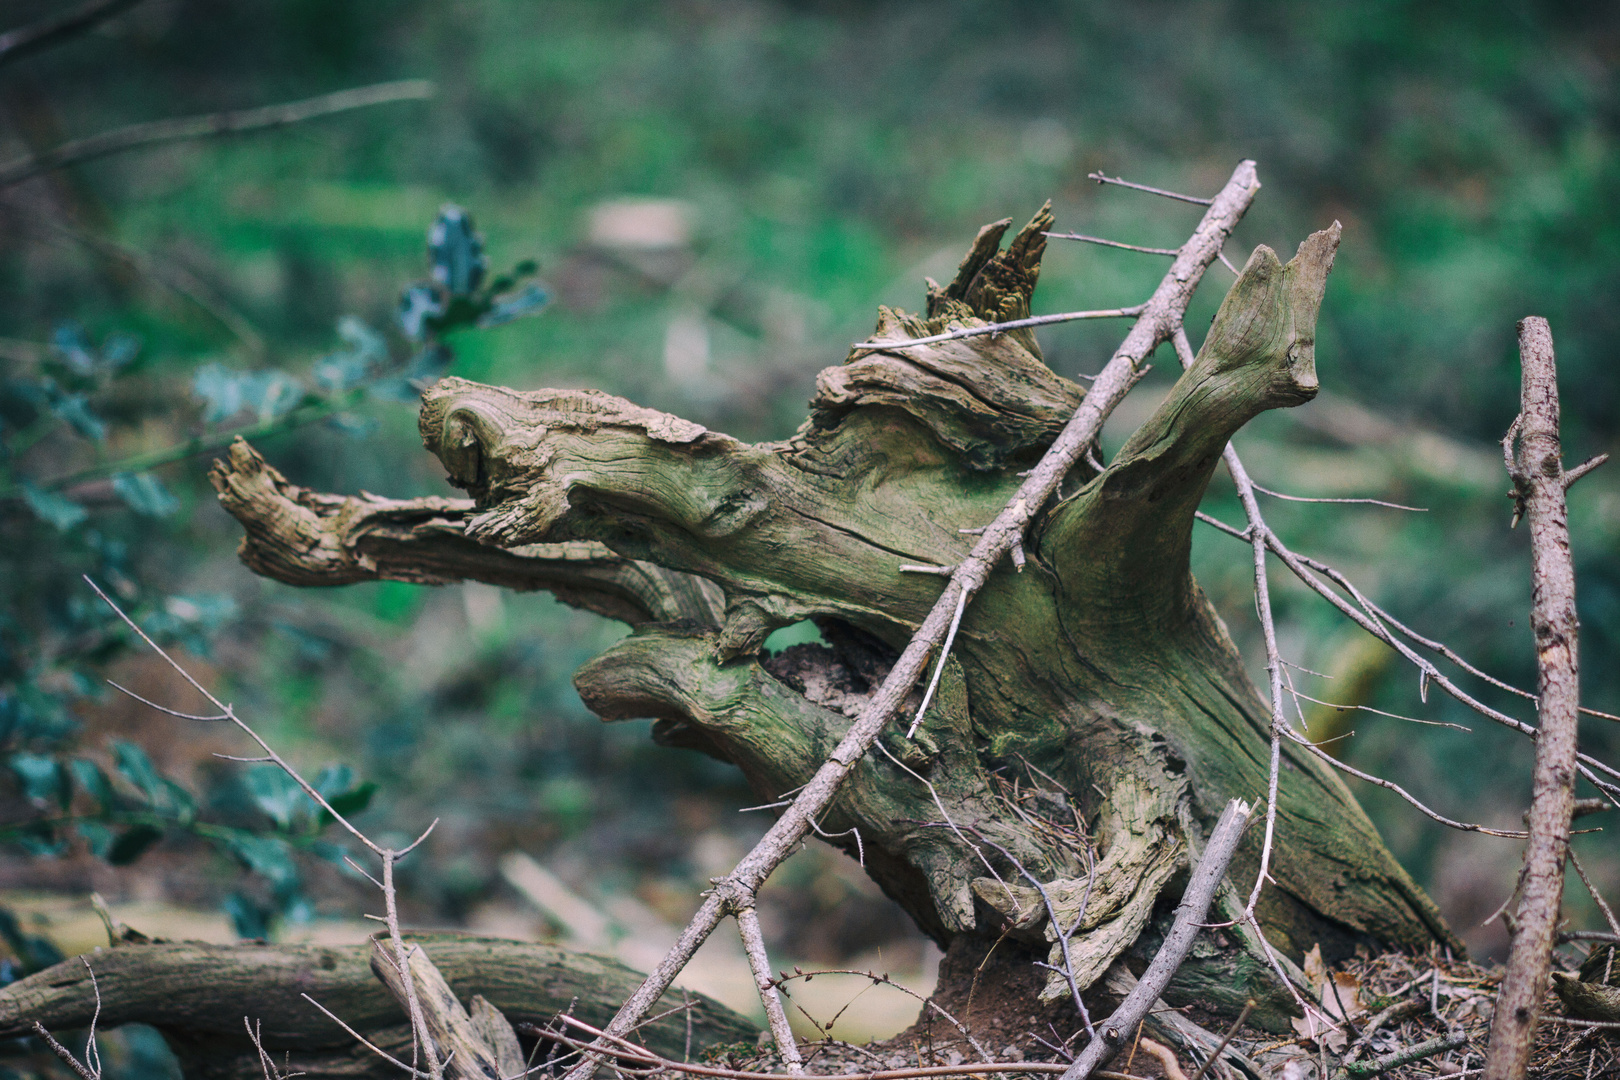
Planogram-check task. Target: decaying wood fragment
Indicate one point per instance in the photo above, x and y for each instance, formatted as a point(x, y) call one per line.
point(197, 995)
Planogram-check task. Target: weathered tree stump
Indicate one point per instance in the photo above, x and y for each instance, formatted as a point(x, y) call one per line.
point(1094, 716)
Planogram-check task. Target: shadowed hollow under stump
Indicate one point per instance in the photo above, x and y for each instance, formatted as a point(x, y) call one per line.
point(1093, 718)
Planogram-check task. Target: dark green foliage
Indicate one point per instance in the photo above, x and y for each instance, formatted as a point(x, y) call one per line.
point(48, 677)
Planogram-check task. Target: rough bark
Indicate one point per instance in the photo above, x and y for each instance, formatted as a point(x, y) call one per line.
point(1093, 714)
point(1539, 483)
point(197, 996)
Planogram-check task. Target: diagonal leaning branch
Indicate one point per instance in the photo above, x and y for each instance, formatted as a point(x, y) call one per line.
point(1161, 317)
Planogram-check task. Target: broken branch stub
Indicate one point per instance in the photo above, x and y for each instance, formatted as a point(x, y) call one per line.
point(1099, 679)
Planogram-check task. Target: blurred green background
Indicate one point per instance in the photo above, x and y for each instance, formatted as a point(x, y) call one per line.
point(718, 195)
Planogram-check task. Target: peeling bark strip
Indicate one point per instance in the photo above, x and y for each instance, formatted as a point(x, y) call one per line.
point(1092, 718)
point(1539, 484)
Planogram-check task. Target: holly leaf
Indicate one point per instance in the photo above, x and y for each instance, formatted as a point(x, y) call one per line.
point(133, 844)
point(92, 781)
point(277, 794)
point(42, 779)
point(530, 301)
point(456, 251)
point(53, 509)
point(220, 390)
point(145, 494)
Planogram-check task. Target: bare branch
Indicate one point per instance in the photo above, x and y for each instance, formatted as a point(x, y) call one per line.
point(1101, 179)
point(1223, 841)
point(362, 1040)
point(53, 29)
point(1582, 469)
point(1109, 243)
point(1597, 897)
point(211, 124)
point(1001, 327)
point(1538, 479)
point(309, 789)
point(64, 1053)
point(939, 668)
point(1237, 1025)
point(753, 939)
point(1364, 502)
point(175, 712)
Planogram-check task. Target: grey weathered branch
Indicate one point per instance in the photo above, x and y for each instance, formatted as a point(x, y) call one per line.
point(1538, 480)
point(1190, 914)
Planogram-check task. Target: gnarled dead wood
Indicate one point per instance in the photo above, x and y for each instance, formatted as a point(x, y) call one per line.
point(1096, 675)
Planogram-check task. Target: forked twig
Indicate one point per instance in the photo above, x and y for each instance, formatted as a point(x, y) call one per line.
point(388, 856)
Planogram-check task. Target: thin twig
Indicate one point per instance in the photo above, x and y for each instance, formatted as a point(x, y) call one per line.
point(1002, 327)
point(1223, 841)
point(1405, 1056)
point(1378, 712)
point(927, 1002)
point(168, 711)
point(362, 1040)
point(1057, 925)
point(1248, 1007)
point(628, 1051)
point(211, 124)
point(1597, 897)
point(167, 273)
point(1109, 243)
point(64, 1053)
point(939, 668)
point(754, 945)
point(1390, 785)
point(1101, 179)
point(389, 856)
point(309, 789)
point(53, 29)
point(1315, 499)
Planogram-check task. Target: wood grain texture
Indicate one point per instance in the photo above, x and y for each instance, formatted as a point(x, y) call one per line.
point(197, 995)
